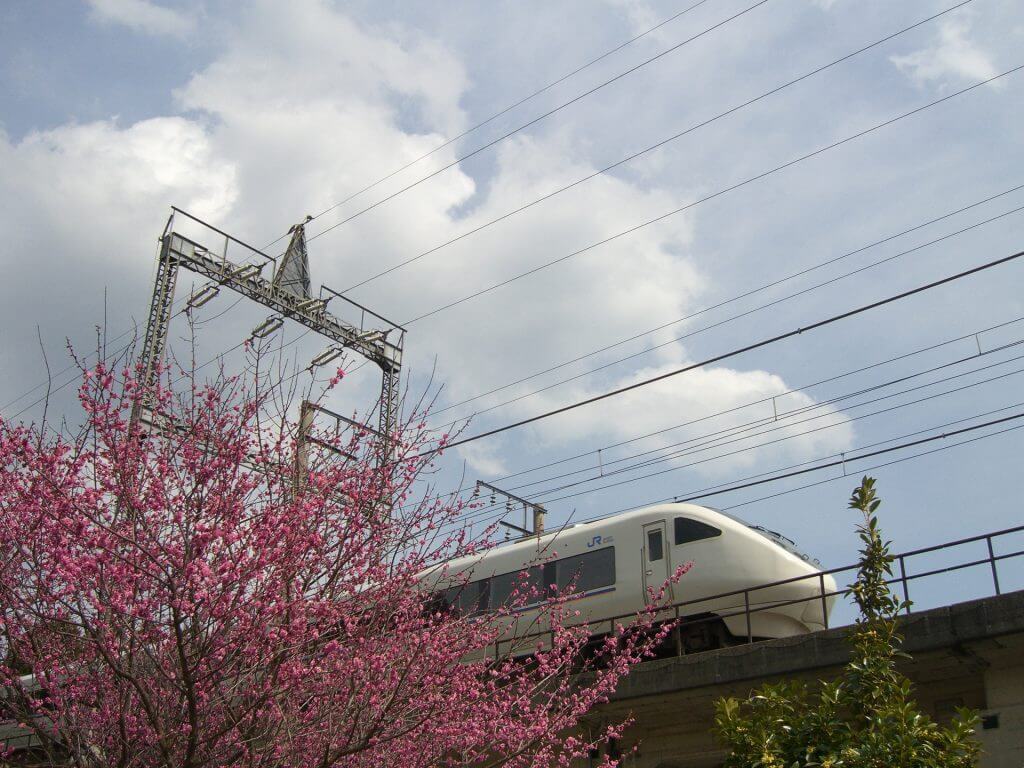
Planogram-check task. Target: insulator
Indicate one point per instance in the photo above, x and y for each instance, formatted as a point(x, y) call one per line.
point(312, 305)
point(267, 327)
point(246, 271)
point(476, 493)
point(493, 500)
point(326, 356)
point(202, 296)
point(508, 506)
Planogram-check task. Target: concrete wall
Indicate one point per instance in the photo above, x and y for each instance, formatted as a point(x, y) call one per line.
point(970, 654)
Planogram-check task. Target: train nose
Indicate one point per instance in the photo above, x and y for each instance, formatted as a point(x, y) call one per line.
point(821, 597)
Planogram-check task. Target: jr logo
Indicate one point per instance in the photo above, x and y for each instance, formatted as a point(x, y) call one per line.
point(599, 540)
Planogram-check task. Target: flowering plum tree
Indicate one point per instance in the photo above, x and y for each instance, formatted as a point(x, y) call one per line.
point(202, 595)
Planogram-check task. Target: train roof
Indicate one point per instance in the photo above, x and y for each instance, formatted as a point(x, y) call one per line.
point(532, 543)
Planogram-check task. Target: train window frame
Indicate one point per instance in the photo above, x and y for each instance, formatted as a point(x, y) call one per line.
point(652, 534)
point(706, 531)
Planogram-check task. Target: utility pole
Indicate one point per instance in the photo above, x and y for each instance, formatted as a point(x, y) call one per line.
point(302, 442)
point(528, 506)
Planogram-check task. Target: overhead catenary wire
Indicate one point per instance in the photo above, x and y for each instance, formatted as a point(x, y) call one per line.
point(707, 198)
point(747, 431)
point(974, 335)
point(875, 467)
point(741, 350)
point(769, 399)
point(855, 458)
point(652, 147)
point(846, 459)
point(538, 119)
point(731, 318)
point(545, 496)
point(785, 473)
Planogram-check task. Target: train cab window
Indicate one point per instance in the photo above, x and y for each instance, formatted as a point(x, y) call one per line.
point(655, 546)
point(529, 586)
point(591, 570)
point(688, 530)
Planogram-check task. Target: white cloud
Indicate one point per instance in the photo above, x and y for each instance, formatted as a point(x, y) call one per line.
point(953, 57)
point(301, 108)
point(110, 178)
point(639, 12)
point(142, 16)
point(80, 206)
point(693, 396)
point(483, 459)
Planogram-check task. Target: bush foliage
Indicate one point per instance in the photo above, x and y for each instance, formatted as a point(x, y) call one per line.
point(867, 718)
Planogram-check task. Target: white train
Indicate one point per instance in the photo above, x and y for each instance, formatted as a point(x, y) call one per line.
point(612, 562)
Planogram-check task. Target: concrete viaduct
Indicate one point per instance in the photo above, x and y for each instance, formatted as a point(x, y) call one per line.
point(969, 654)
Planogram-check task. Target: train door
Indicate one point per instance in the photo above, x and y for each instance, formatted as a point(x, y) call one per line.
point(657, 567)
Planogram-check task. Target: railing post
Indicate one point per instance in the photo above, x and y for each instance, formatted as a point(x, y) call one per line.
point(992, 563)
point(746, 612)
point(906, 591)
point(824, 603)
point(678, 632)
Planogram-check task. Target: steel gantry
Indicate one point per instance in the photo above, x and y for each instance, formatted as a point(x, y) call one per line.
point(285, 292)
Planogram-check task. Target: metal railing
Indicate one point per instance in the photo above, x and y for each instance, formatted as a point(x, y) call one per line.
point(739, 602)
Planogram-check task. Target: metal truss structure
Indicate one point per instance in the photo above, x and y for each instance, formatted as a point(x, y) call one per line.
point(380, 345)
point(538, 510)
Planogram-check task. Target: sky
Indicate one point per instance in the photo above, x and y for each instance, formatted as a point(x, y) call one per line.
point(252, 116)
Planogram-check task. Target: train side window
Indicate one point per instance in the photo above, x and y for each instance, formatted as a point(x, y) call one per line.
point(464, 599)
point(688, 530)
point(503, 585)
point(588, 571)
point(655, 546)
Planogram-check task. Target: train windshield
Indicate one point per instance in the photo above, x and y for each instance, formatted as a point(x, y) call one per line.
point(783, 541)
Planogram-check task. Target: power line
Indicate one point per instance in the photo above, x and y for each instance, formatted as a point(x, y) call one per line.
point(755, 290)
point(741, 350)
point(859, 457)
point(733, 434)
point(125, 333)
point(651, 148)
point(505, 110)
point(446, 143)
point(743, 295)
point(975, 335)
point(724, 321)
point(709, 443)
point(535, 120)
point(767, 477)
point(880, 466)
point(706, 198)
point(544, 497)
point(794, 390)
